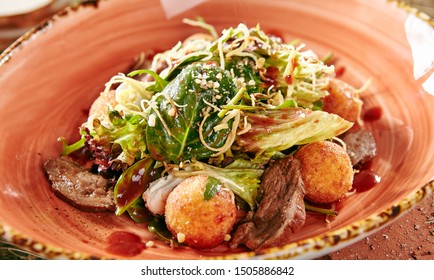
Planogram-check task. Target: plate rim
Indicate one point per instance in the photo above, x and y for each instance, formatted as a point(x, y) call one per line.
point(309, 248)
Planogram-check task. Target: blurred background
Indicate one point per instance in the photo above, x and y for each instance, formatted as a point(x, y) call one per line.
point(19, 16)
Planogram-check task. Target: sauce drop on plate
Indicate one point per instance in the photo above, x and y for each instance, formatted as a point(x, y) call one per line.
point(365, 180)
point(373, 114)
point(125, 244)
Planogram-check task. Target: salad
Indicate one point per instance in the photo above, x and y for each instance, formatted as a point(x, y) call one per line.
point(222, 138)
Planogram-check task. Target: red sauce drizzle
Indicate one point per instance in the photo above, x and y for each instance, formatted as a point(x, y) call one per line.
point(128, 192)
point(125, 244)
point(270, 76)
point(373, 114)
point(135, 183)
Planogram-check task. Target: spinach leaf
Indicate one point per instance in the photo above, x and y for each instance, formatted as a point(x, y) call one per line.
point(181, 109)
point(245, 68)
point(133, 182)
point(159, 229)
point(187, 60)
point(138, 211)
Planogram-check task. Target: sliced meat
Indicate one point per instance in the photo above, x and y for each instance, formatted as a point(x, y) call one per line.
point(79, 187)
point(361, 146)
point(280, 211)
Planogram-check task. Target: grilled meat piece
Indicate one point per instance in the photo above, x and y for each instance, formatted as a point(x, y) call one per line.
point(79, 187)
point(361, 146)
point(280, 211)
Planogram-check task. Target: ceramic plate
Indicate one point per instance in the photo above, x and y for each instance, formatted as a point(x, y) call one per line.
point(50, 76)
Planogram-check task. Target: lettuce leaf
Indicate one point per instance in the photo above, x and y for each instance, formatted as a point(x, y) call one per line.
point(273, 131)
point(244, 182)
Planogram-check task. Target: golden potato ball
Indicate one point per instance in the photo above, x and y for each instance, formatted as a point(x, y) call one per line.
point(99, 108)
point(343, 101)
point(326, 171)
point(197, 222)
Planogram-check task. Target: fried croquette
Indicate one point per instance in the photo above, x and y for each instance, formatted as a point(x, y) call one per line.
point(197, 222)
point(343, 101)
point(326, 171)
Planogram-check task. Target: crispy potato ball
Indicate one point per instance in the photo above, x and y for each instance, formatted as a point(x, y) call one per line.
point(343, 101)
point(326, 171)
point(197, 222)
point(99, 109)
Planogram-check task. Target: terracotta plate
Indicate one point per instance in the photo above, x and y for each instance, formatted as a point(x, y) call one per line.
point(50, 76)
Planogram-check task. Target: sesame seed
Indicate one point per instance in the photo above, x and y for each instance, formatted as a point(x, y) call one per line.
point(152, 120)
point(180, 237)
point(38, 247)
point(149, 244)
point(172, 112)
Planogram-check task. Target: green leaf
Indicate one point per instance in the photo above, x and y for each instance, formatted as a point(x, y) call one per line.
point(211, 188)
point(138, 211)
point(133, 182)
point(184, 62)
point(181, 105)
point(326, 211)
point(158, 228)
point(125, 138)
point(68, 149)
point(290, 103)
point(327, 58)
point(317, 106)
point(160, 83)
point(273, 131)
point(244, 182)
point(244, 67)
